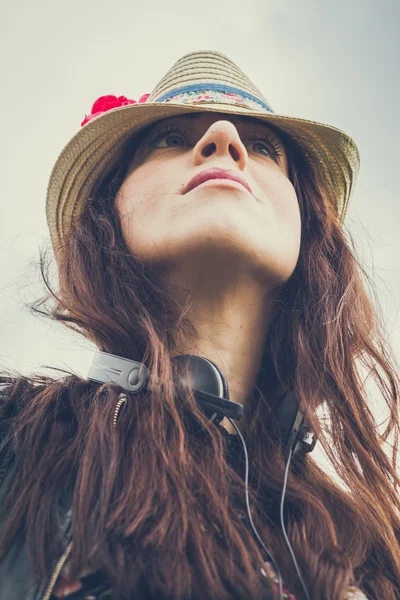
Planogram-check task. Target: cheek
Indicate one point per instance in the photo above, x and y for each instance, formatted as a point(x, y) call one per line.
point(128, 207)
point(138, 199)
point(278, 195)
point(286, 202)
point(131, 191)
point(139, 204)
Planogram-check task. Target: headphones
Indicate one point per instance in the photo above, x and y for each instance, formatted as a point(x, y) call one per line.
point(211, 392)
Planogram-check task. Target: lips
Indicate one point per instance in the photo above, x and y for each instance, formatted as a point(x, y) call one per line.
point(215, 174)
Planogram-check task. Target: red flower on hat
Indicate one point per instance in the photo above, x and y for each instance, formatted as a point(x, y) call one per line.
point(105, 103)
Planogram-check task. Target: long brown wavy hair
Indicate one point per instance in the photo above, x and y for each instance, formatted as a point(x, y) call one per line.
point(151, 500)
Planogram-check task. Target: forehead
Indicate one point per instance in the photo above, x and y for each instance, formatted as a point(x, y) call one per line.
point(207, 118)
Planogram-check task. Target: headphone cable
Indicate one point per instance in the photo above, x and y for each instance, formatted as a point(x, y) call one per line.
point(249, 511)
point(281, 515)
point(283, 523)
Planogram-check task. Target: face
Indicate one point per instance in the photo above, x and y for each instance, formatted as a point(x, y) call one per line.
point(256, 225)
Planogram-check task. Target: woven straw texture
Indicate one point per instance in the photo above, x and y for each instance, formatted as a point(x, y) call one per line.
point(197, 82)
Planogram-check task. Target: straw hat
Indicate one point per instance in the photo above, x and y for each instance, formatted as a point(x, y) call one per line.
point(197, 82)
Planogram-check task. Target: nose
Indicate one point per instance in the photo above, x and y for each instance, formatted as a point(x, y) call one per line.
point(220, 140)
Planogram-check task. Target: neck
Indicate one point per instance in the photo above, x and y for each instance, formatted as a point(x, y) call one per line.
point(231, 325)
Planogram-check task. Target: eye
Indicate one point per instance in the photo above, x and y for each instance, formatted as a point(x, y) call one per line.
point(173, 135)
point(268, 142)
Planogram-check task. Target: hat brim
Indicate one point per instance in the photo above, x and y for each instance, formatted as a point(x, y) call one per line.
point(98, 147)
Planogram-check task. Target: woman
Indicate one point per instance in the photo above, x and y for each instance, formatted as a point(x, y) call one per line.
point(111, 491)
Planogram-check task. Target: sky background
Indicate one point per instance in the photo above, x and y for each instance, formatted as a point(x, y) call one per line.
point(334, 62)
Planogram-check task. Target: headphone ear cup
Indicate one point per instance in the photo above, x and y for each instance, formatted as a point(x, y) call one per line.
point(289, 420)
point(204, 375)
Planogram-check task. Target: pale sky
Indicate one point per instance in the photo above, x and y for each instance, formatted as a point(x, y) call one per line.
point(334, 62)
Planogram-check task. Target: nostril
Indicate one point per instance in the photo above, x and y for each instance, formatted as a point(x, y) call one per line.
point(209, 149)
point(234, 152)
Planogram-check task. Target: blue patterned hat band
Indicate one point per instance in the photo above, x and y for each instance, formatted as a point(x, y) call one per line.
point(214, 93)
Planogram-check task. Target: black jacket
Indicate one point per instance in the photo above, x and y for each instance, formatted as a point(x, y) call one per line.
point(15, 568)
